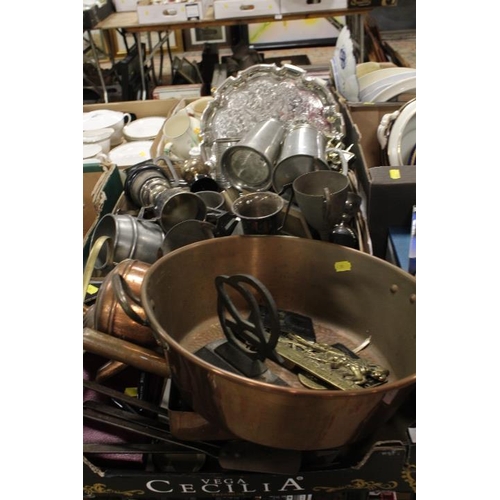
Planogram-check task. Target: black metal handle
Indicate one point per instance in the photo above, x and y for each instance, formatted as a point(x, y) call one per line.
point(248, 334)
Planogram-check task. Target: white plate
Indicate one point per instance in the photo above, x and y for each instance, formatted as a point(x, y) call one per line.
point(398, 88)
point(374, 88)
point(403, 135)
point(143, 128)
point(101, 118)
point(91, 150)
point(380, 74)
point(344, 67)
point(370, 66)
point(131, 153)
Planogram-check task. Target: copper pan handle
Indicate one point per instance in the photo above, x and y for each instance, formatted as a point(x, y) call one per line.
point(131, 354)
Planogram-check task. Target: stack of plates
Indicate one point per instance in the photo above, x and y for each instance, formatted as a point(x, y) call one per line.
point(384, 84)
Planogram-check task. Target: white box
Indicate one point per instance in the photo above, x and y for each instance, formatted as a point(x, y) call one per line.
point(177, 91)
point(169, 12)
point(125, 5)
point(224, 9)
point(292, 6)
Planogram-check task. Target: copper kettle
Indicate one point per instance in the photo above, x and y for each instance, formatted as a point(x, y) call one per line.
point(117, 310)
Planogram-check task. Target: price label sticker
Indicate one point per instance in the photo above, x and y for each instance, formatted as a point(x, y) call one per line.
point(91, 289)
point(394, 173)
point(342, 265)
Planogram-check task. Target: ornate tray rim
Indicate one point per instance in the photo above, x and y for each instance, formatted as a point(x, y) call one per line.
point(287, 71)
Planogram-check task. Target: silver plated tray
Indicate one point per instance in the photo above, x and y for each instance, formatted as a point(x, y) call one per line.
point(266, 91)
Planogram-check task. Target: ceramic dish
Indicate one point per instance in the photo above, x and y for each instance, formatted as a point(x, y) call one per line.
point(382, 74)
point(102, 118)
point(367, 67)
point(91, 150)
point(143, 129)
point(265, 91)
point(397, 134)
point(343, 65)
point(366, 93)
point(131, 153)
point(403, 87)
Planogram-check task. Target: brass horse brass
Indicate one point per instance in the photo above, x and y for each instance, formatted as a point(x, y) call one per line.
point(329, 364)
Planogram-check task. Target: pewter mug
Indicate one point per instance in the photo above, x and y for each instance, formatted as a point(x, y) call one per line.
point(321, 196)
point(303, 150)
point(249, 163)
point(132, 238)
point(259, 212)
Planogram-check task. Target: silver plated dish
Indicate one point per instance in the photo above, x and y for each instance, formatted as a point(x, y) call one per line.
point(266, 91)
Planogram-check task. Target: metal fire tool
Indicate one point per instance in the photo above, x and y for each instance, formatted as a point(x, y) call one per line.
point(232, 455)
point(271, 334)
point(248, 342)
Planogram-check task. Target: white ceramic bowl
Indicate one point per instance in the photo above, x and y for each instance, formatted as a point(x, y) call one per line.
point(143, 129)
point(397, 134)
point(403, 135)
point(100, 136)
point(91, 151)
point(106, 118)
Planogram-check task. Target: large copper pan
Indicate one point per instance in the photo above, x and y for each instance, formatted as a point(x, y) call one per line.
point(352, 294)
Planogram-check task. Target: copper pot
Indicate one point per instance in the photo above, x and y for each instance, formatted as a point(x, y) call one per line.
point(346, 292)
point(117, 309)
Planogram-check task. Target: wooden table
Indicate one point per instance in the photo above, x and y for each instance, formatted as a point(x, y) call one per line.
point(129, 21)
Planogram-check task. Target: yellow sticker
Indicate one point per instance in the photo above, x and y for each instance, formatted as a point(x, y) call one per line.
point(91, 289)
point(343, 265)
point(131, 391)
point(394, 173)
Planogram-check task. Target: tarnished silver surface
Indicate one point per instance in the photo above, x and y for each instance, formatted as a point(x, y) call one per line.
point(266, 91)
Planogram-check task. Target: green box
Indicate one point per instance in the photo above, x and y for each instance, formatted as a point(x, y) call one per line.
point(102, 186)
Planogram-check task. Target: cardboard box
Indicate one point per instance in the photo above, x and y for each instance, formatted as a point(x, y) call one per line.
point(386, 459)
point(292, 6)
point(140, 109)
point(355, 4)
point(125, 5)
point(102, 187)
point(171, 12)
point(390, 192)
point(391, 196)
point(224, 9)
point(177, 91)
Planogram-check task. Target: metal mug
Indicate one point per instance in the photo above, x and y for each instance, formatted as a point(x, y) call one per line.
point(303, 150)
point(321, 196)
point(249, 163)
point(212, 199)
point(132, 238)
point(176, 205)
point(186, 232)
point(259, 212)
point(146, 180)
point(217, 150)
